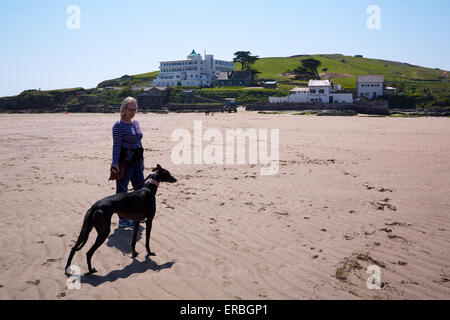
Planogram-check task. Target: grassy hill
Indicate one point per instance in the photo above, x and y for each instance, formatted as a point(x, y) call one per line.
point(342, 69)
point(394, 72)
point(135, 80)
point(420, 87)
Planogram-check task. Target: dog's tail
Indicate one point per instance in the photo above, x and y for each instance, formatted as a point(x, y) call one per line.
point(85, 231)
point(82, 238)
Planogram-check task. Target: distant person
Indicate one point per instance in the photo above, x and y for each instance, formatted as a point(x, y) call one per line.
point(127, 150)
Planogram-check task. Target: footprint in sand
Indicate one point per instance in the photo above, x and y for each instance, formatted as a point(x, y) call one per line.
point(50, 261)
point(395, 237)
point(352, 263)
point(368, 231)
point(445, 277)
point(350, 174)
point(380, 205)
point(34, 283)
point(262, 295)
point(368, 187)
point(226, 282)
point(59, 235)
point(398, 224)
point(350, 235)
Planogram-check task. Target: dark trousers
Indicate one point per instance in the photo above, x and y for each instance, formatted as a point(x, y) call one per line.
point(134, 174)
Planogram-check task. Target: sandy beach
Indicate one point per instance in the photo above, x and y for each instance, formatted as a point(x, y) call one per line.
point(351, 192)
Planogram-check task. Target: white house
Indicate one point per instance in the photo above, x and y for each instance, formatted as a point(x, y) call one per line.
point(341, 98)
point(390, 91)
point(298, 95)
point(370, 87)
point(194, 71)
point(320, 91)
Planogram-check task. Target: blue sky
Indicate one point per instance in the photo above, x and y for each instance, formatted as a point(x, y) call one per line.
point(129, 37)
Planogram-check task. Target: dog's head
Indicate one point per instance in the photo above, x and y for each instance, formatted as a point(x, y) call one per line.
point(161, 175)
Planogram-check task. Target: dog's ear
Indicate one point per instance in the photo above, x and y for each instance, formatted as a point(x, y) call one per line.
point(158, 166)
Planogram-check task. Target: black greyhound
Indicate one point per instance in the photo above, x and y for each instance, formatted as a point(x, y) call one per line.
point(136, 205)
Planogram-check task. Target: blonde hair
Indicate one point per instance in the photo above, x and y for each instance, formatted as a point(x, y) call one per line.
point(125, 103)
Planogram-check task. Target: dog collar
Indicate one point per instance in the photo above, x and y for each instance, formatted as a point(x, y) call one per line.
point(152, 181)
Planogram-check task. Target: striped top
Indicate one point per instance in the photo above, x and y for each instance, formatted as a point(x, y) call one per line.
point(123, 135)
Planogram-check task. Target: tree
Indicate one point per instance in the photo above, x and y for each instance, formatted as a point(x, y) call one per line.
point(302, 73)
point(254, 73)
point(308, 70)
point(312, 65)
point(245, 59)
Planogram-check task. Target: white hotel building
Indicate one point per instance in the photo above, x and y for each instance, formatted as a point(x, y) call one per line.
point(193, 72)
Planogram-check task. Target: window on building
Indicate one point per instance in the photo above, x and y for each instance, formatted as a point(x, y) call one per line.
point(313, 91)
point(321, 91)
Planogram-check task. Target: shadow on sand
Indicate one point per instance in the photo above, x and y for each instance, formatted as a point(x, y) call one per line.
point(133, 268)
point(121, 239)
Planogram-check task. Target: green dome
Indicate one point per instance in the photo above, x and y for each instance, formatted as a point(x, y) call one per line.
point(193, 54)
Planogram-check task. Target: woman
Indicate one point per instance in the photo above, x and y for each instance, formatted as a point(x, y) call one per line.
point(127, 136)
